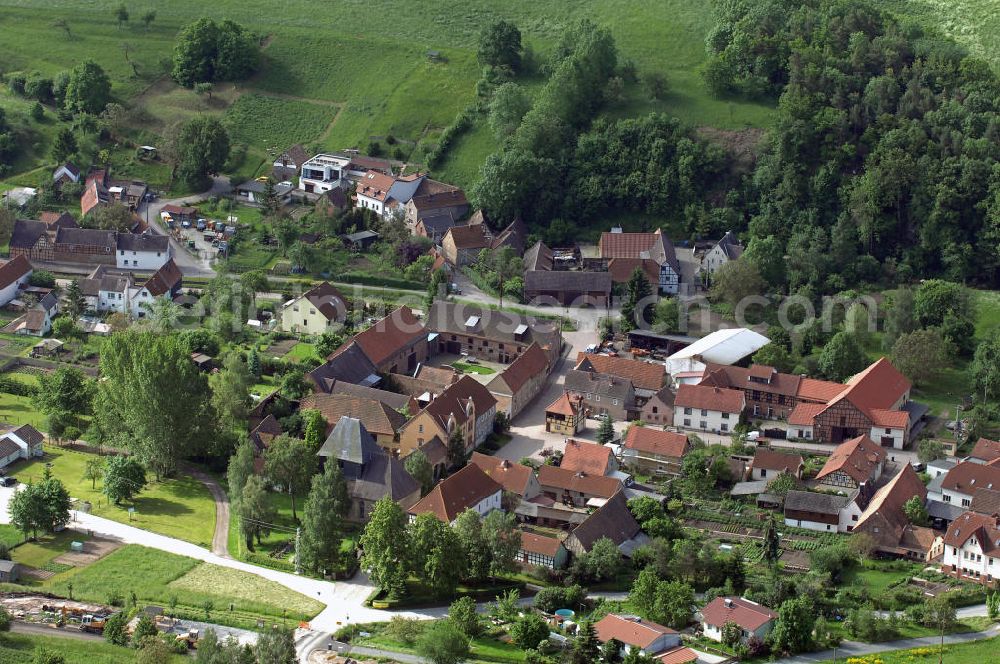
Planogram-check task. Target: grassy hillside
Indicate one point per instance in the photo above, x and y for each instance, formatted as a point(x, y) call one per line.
point(343, 75)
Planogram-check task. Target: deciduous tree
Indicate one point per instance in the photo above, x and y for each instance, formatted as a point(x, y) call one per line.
point(124, 478)
point(385, 545)
point(152, 400)
point(921, 354)
point(500, 46)
point(322, 517)
point(842, 357)
point(275, 646)
point(443, 643)
point(420, 469)
point(290, 463)
point(88, 89)
point(255, 510)
point(202, 147)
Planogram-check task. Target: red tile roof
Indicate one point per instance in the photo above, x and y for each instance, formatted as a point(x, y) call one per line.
point(469, 237)
point(811, 389)
point(644, 375)
point(375, 185)
point(630, 630)
point(565, 405)
point(986, 530)
point(589, 485)
point(543, 546)
point(165, 279)
point(589, 458)
point(452, 496)
point(512, 476)
point(805, 413)
point(968, 476)
point(621, 269)
point(986, 450)
point(878, 387)
point(655, 441)
point(681, 655)
point(387, 337)
point(893, 419)
point(769, 459)
point(377, 418)
point(710, 398)
point(526, 366)
point(885, 510)
point(13, 270)
point(456, 397)
point(748, 615)
point(857, 458)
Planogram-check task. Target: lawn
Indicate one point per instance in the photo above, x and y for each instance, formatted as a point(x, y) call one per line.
point(301, 352)
point(16, 409)
point(465, 367)
point(975, 652)
point(177, 507)
point(275, 123)
point(878, 577)
point(165, 576)
point(484, 648)
point(40, 552)
point(20, 648)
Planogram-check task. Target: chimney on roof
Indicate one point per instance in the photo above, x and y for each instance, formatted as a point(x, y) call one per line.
point(729, 603)
point(505, 464)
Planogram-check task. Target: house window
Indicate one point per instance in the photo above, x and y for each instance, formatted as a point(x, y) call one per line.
point(420, 428)
point(614, 402)
point(854, 517)
point(687, 411)
point(763, 472)
point(598, 398)
point(703, 424)
point(122, 253)
point(589, 396)
point(725, 427)
point(655, 411)
point(687, 422)
point(704, 412)
point(725, 416)
point(295, 308)
point(888, 430)
point(947, 498)
point(966, 502)
point(135, 263)
point(312, 311)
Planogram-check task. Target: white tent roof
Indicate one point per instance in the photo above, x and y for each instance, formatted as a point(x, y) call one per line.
point(721, 347)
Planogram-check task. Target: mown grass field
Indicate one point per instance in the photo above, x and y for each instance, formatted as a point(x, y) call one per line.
point(20, 648)
point(976, 652)
point(177, 507)
point(164, 575)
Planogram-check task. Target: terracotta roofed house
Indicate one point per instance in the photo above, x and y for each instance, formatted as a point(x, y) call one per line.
point(521, 381)
point(513, 477)
point(853, 463)
point(379, 420)
point(985, 451)
point(541, 551)
point(960, 484)
point(706, 408)
point(469, 488)
point(636, 633)
point(590, 458)
point(654, 246)
point(647, 377)
point(461, 244)
point(768, 464)
point(396, 343)
point(971, 548)
point(165, 281)
point(887, 524)
point(752, 618)
point(654, 451)
point(465, 406)
point(575, 487)
point(14, 274)
point(565, 415)
point(769, 393)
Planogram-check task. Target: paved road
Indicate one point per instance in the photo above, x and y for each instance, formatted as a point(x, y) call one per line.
point(856, 649)
point(220, 541)
point(344, 600)
point(47, 630)
point(190, 265)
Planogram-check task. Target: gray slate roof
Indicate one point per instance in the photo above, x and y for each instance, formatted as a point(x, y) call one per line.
point(567, 281)
point(383, 475)
point(450, 318)
point(612, 520)
point(819, 503)
point(351, 365)
point(143, 242)
point(350, 441)
point(26, 233)
point(585, 382)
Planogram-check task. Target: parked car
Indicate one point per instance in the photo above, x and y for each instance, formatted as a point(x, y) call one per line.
point(8, 481)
